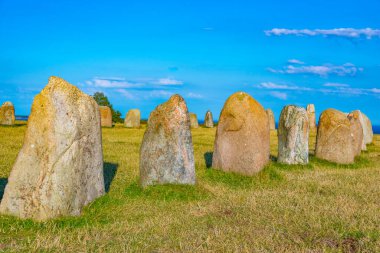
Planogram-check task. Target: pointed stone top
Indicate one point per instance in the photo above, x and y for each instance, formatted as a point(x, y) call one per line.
point(8, 103)
point(310, 108)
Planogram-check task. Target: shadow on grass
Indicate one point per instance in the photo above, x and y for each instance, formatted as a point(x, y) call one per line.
point(109, 172)
point(268, 176)
point(360, 162)
point(167, 192)
point(16, 125)
point(208, 159)
point(3, 183)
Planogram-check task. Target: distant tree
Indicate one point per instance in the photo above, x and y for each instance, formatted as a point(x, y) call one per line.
point(102, 100)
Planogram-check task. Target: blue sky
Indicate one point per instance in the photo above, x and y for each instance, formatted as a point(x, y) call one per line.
point(140, 52)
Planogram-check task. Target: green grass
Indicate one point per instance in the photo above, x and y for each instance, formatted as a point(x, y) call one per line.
point(319, 207)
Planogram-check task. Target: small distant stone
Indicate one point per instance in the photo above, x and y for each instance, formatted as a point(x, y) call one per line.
point(356, 131)
point(7, 114)
point(209, 122)
point(272, 124)
point(367, 130)
point(242, 136)
point(334, 139)
point(132, 120)
point(105, 116)
point(193, 120)
point(166, 154)
point(293, 136)
point(59, 169)
point(311, 114)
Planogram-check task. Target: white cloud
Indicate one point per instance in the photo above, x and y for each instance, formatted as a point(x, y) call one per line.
point(279, 95)
point(194, 95)
point(160, 94)
point(347, 69)
point(169, 81)
point(295, 61)
point(336, 85)
point(274, 86)
point(367, 33)
point(115, 82)
point(126, 94)
point(375, 90)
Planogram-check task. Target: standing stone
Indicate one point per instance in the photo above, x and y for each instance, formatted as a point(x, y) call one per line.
point(209, 122)
point(242, 136)
point(132, 120)
point(167, 155)
point(334, 140)
point(311, 114)
point(272, 124)
point(105, 116)
point(7, 114)
point(193, 120)
point(367, 130)
point(293, 136)
point(60, 166)
point(356, 131)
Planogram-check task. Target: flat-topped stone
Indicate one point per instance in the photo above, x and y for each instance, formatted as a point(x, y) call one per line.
point(193, 120)
point(132, 119)
point(272, 124)
point(105, 116)
point(7, 114)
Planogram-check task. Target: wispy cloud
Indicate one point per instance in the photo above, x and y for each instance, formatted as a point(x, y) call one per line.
point(126, 94)
point(274, 86)
point(347, 69)
point(367, 33)
point(336, 85)
point(160, 94)
point(295, 61)
point(169, 81)
point(194, 95)
point(112, 82)
point(279, 95)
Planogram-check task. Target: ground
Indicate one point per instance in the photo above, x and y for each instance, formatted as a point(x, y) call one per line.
point(321, 207)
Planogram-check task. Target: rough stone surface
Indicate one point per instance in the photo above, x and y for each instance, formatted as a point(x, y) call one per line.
point(209, 122)
point(132, 120)
point(367, 130)
point(272, 124)
point(311, 114)
point(334, 140)
point(356, 131)
point(293, 136)
point(60, 166)
point(193, 120)
point(167, 154)
point(242, 136)
point(7, 114)
point(105, 116)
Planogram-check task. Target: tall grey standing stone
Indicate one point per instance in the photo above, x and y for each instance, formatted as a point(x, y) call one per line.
point(311, 114)
point(367, 130)
point(60, 166)
point(7, 114)
point(356, 131)
point(132, 120)
point(272, 124)
point(166, 154)
point(242, 136)
point(209, 122)
point(193, 120)
point(293, 136)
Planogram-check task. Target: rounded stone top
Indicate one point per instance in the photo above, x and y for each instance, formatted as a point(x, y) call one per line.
point(310, 108)
point(8, 103)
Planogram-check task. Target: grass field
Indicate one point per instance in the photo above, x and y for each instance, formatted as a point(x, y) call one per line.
point(321, 207)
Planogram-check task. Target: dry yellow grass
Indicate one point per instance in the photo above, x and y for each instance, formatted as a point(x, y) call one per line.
point(321, 207)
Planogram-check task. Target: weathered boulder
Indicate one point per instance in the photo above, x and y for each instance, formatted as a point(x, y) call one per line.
point(193, 120)
point(60, 166)
point(209, 122)
point(367, 130)
point(311, 114)
point(105, 116)
point(132, 120)
point(293, 136)
point(334, 140)
point(7, 114)
point(272, 124)
point(242, 136)
point(166, 154)
point(356, 131)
